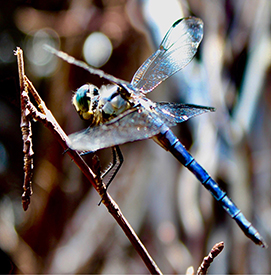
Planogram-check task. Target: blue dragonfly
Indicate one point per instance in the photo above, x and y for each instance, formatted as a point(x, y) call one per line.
point(119, 113)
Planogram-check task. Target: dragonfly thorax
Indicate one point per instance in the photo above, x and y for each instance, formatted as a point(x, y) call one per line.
point(99, 105)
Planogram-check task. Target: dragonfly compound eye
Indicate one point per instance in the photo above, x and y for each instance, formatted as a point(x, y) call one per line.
point(83, 100)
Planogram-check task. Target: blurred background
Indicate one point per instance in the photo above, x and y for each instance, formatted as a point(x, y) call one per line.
point(64, 231)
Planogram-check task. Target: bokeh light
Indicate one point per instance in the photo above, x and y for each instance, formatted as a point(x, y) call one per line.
point(43, 64)
point(97, 49)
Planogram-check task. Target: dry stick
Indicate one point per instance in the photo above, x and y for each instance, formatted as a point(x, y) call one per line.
point(215, 251)
point(26, 136)
point(50, 122)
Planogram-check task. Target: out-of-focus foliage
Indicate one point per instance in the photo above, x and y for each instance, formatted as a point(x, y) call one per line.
point(64, 231)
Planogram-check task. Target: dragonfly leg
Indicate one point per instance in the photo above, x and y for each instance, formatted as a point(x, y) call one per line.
point(111, 165)
point(115, 165)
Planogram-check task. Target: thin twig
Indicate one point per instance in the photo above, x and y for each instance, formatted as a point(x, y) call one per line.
point(215, 251)
point(46, 118)
point(26, 134)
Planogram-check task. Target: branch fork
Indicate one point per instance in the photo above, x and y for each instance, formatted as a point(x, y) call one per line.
point(44, 115)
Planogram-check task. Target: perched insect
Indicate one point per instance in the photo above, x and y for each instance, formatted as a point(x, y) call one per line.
point(120, 112)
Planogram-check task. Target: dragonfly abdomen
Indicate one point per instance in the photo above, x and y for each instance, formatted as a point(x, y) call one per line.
point(171, 143)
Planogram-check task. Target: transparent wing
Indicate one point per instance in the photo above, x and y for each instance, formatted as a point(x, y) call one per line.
point(83, 65)
point(175, 51)
point(134, 124)
point(173, 113)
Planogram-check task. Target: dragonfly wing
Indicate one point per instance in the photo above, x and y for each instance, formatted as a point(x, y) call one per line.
point(134, 124)
point(172, 113)
point(175, 51)
point(88, 68)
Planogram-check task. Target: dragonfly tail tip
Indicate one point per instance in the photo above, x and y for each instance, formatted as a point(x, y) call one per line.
point(260, 240)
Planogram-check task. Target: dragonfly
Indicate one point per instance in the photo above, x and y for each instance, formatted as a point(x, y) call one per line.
point(120, 112)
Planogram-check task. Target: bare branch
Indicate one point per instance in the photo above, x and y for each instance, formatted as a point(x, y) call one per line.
point(215, 251)
point(45, 117)
point(26, 134)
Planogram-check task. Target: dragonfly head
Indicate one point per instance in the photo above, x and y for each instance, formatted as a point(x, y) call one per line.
point(85, 101)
